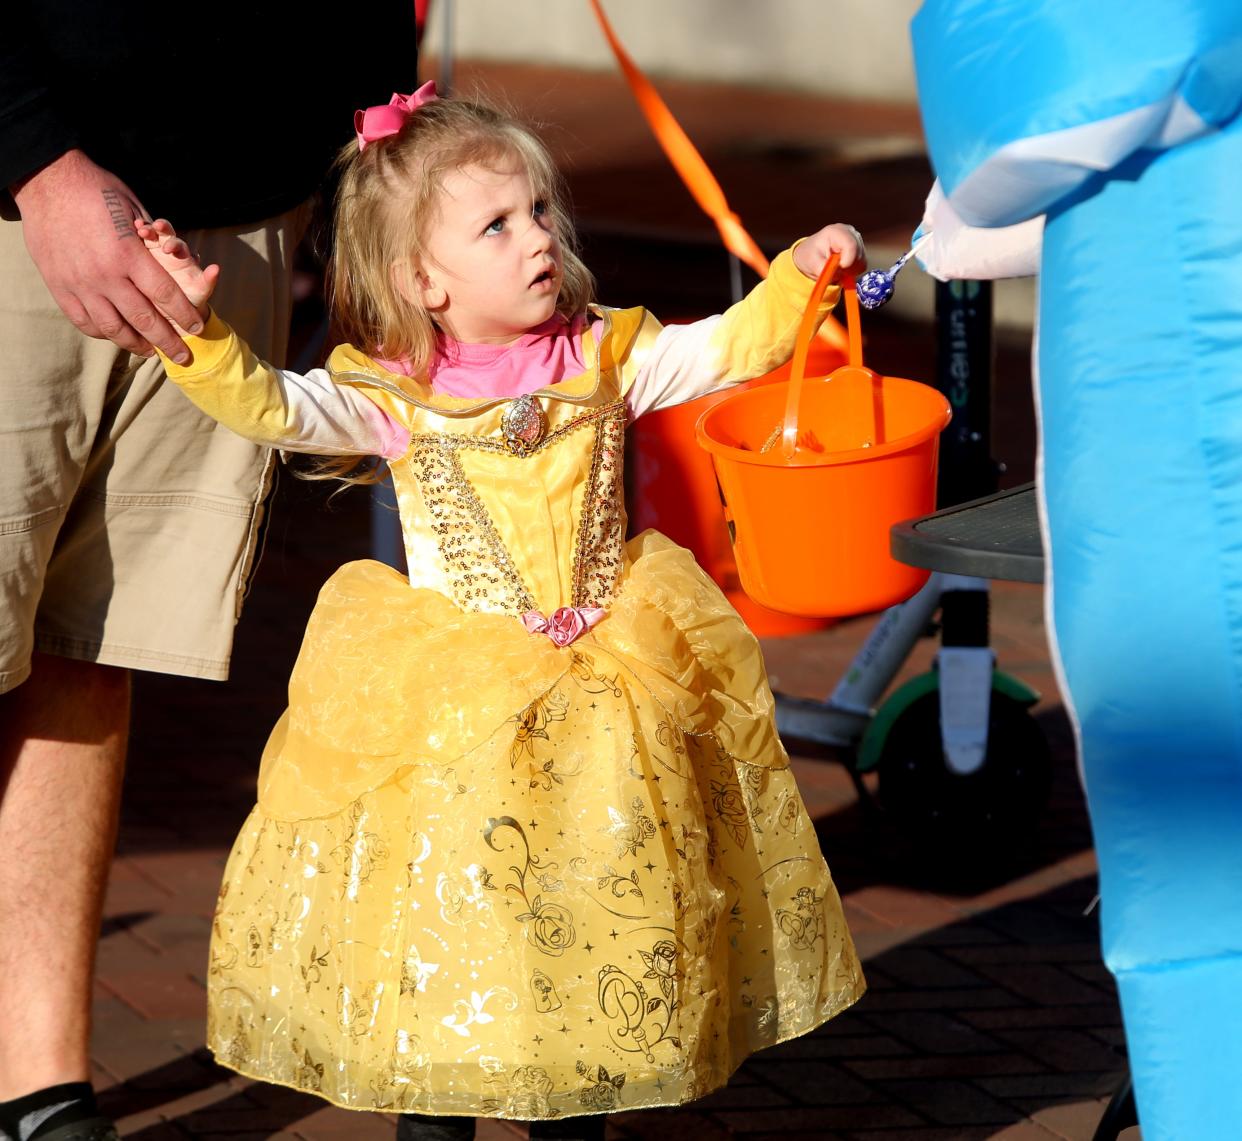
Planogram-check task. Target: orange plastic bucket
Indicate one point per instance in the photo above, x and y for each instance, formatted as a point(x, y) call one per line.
point(810, 530)
point(673, 490)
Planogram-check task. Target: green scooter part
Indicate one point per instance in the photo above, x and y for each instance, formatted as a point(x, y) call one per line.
point(871, 746)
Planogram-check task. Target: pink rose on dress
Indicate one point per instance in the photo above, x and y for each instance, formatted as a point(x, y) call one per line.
point(566, 624)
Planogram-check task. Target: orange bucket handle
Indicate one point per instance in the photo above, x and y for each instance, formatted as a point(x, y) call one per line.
point(802, 345)
point(853, 321)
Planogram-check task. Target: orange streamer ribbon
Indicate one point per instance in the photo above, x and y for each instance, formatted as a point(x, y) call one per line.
point(694, 172)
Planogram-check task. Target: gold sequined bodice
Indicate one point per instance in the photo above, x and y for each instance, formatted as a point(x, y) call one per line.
point(514, 505)
point(503, 525)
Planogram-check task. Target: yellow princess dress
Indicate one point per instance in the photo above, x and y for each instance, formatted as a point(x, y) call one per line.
point(527, 844)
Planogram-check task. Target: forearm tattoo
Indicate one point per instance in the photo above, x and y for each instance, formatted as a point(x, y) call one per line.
point(121, 214)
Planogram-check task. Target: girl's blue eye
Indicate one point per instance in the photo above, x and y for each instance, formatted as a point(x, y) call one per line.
point(540, 208)
point(495, 227)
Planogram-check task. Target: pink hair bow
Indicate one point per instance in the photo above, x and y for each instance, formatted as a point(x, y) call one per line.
point(565, 624)
point(386, 119)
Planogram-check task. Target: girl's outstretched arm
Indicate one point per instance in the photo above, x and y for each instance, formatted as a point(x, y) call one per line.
point(277, 407)
point(750, 338)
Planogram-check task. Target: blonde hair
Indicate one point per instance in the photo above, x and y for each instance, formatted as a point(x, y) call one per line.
point(385, 204)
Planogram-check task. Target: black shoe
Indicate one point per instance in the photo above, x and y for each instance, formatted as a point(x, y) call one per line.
point(425, 1127)
point(88, 1129)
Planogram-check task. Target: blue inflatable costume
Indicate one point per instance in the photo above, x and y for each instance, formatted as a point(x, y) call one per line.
point(1118, 120)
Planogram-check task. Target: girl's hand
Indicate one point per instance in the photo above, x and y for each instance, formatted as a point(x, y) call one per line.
point(811, 253)
point(174, 257)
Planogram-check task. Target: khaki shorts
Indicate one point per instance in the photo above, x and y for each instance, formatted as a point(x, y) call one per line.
point(128, 519)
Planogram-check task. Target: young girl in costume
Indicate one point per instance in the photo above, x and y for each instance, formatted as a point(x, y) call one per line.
point(527, 844)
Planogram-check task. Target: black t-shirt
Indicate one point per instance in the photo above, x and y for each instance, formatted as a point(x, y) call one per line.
point(214, 115)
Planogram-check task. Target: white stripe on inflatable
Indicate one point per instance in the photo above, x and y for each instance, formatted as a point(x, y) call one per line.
point(1024, 178)
point(1054, 648)
point(1182, 124)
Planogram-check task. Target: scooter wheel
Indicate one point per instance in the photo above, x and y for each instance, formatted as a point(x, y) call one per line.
point(1000, 801)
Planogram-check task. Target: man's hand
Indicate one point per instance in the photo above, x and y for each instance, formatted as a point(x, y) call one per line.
point(174, 257)
point(78, 221)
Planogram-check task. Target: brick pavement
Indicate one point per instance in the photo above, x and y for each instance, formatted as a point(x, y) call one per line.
point(989, 1013)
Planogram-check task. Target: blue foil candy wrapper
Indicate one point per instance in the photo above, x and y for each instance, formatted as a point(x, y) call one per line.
point(874, 288)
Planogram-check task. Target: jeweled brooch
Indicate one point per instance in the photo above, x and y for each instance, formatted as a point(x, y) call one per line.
point(523, 424)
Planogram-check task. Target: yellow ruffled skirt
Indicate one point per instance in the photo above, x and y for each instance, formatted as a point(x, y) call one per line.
point(491, 876)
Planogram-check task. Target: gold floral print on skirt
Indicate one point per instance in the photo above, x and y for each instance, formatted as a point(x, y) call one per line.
point(602, 897)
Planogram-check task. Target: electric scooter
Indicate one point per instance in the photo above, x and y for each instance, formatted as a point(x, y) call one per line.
point(957, 752)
